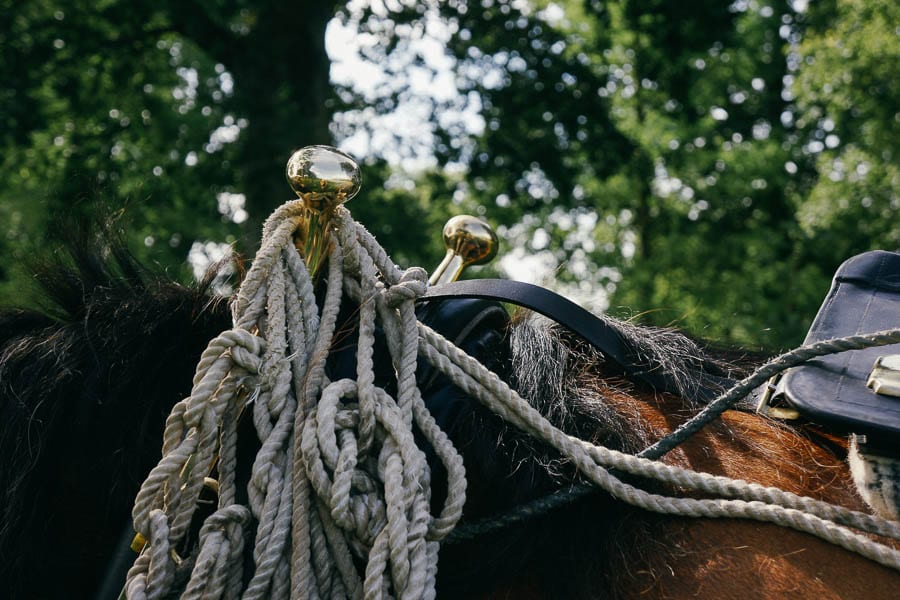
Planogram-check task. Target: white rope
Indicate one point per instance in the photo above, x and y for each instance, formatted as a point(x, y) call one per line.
point(738, 499)
point(339, 480)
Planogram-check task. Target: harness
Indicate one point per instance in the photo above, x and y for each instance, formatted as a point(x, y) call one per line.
point(831, 384)
point(857, 392)
point(592, 328)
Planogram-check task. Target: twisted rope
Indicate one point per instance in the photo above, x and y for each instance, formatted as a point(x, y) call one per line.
point(778, 364)
point(712, 411)
point(339, 480)
point(736, 498)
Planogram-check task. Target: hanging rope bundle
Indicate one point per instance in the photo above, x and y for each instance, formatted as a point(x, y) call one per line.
point(338, 477)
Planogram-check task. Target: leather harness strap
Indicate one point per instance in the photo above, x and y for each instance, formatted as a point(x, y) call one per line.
point(593, 329)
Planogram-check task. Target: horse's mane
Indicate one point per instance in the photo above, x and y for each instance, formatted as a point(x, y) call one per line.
point(74, 443)
point(111, 332)
point(569, 382)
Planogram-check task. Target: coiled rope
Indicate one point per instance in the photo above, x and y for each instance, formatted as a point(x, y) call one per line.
point(339, 480)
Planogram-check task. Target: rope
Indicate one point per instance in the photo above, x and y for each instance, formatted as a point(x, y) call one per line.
point(339, 480)
point(712, 411)
point(780, 363)
point(737, 499)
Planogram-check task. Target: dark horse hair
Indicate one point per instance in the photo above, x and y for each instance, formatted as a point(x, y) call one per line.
point(87, 381)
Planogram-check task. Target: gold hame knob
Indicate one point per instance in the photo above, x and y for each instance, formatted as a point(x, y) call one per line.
point(323, 178)
point(469, 241)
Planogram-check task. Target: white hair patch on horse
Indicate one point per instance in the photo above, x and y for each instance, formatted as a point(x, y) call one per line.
point(877, 479)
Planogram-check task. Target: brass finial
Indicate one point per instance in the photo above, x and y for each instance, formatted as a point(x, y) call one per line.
point(323, 178)
point(469, 241)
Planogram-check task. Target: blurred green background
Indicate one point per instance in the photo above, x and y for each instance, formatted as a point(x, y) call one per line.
point(698, 164)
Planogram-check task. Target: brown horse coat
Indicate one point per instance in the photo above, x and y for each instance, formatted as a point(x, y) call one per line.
point(739, 559)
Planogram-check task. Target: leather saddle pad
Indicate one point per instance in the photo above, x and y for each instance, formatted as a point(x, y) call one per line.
point(864, 298)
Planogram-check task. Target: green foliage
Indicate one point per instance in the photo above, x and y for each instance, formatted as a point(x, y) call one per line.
point(848, 96)
point(146, 109)
point(693, 140)
point(699, 164)
point(663, 119)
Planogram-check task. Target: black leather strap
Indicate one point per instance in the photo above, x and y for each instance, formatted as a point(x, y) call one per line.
point(590, 327)
point(562, 310)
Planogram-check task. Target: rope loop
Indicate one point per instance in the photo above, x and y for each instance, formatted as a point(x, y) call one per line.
point(338, 478)
point(411, 286)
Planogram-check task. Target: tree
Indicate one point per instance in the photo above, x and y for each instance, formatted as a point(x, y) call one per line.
point(700, 164)
point(847, 102)
point(656, 150)
point(161, 107)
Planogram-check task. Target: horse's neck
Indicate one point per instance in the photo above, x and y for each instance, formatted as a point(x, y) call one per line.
point(754, 448)
point(743, 559)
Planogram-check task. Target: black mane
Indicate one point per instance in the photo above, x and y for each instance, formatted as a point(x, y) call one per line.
point(85, 386)
point(87, 382)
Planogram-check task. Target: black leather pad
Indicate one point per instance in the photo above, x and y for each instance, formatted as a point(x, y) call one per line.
point(864, 298)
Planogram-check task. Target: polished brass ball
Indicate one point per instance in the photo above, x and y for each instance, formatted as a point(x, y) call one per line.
point(473, 240)
point(323, 176)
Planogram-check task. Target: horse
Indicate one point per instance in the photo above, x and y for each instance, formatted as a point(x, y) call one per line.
point(88, 378)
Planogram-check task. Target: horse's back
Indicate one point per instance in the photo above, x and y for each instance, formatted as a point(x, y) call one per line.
point(744, 560)
point(749, 560)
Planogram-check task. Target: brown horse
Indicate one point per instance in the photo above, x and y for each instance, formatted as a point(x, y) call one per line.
point(86, 383)
point(740, 559)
